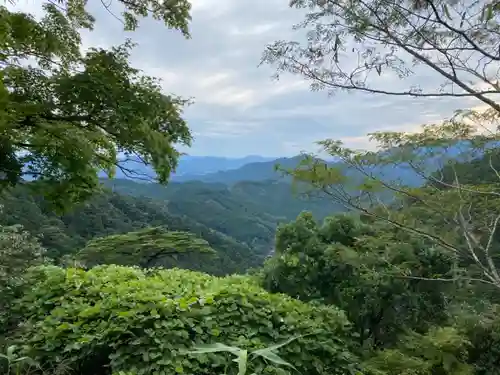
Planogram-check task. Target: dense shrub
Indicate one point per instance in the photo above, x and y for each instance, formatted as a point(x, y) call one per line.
point(483, 331)
point(115, 318)
point(18, 251)
point(471, 346)
point(441, 351)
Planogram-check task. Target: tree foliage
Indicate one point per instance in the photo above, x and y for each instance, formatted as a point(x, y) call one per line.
point(18, 251)
point(442, 350)
point(144, 248)
point(370, 271)
point(460, 217)
point(143, 322)
point(71, 114)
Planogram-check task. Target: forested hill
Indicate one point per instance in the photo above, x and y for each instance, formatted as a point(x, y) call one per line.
point(111, 213)
point(239, 222)
point(247, 211)
point(236, 205)
point(238, 218)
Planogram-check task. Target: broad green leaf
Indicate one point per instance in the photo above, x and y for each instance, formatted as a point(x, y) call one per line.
point(242, 362)
point(273, 357)
point(213, 348)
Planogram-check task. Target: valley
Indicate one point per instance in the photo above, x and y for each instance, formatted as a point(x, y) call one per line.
point(238, 220)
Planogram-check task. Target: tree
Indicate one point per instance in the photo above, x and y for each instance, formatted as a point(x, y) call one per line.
point(459, 217)
point(361, 268)
point(443, 350)
point(145, 248)
point(70, 115)
point(350, 43)
point(18, 251)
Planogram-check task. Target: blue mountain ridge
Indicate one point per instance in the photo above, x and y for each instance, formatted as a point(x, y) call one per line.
point(225, 170)
point(255, 168)
point(190, 167)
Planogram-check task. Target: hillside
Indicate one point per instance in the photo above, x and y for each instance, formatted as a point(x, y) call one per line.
point(247, 211)
point(111, 213)
point(238, 221)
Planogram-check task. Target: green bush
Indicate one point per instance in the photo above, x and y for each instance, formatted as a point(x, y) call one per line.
point(114, 318)
point(441, 351)
point(483, 331)
point(18, 251)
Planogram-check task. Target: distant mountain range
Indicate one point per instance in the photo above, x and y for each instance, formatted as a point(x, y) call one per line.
point(263, 169)
point(215, 169)
point(202, 165)
point(193, 167)
point(229, 171)
point(257, 171)
point(254, 171)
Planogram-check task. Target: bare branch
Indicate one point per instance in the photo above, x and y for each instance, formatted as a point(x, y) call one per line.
point(451, 280)
point(381, 34)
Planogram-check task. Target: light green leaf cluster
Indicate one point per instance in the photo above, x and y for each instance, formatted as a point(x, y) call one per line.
point(243, 357)
point(144, 322)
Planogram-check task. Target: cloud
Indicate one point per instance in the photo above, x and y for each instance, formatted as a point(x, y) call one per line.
point(254, 30)
point(238, 108)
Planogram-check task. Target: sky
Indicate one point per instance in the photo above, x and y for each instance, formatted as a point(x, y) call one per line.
point(238, 108)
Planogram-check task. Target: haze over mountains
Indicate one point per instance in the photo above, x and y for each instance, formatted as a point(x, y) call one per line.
point(258, 168)
point(201, 165)
point(215, 169)
point(193, 167)
point(251, 168)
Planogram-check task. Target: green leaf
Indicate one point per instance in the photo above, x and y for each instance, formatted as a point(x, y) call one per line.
point(489, 13)
point(212, 348)
point(242, 362)
point(446, 11)
point(273, 357)
point(277, 346)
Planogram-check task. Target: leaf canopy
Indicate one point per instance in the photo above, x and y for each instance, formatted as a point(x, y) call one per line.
point(67, 115)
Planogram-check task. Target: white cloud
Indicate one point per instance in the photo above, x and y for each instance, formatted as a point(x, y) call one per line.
point(238, 109)
point(215, 8)
point(253, 30)
point(214, 79)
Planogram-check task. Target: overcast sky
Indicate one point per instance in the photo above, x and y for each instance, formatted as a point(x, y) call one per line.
point(238, 109)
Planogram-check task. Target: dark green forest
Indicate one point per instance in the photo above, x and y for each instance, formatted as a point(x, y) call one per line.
point(111, 213)
point(382, 262)
point(238, 222)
